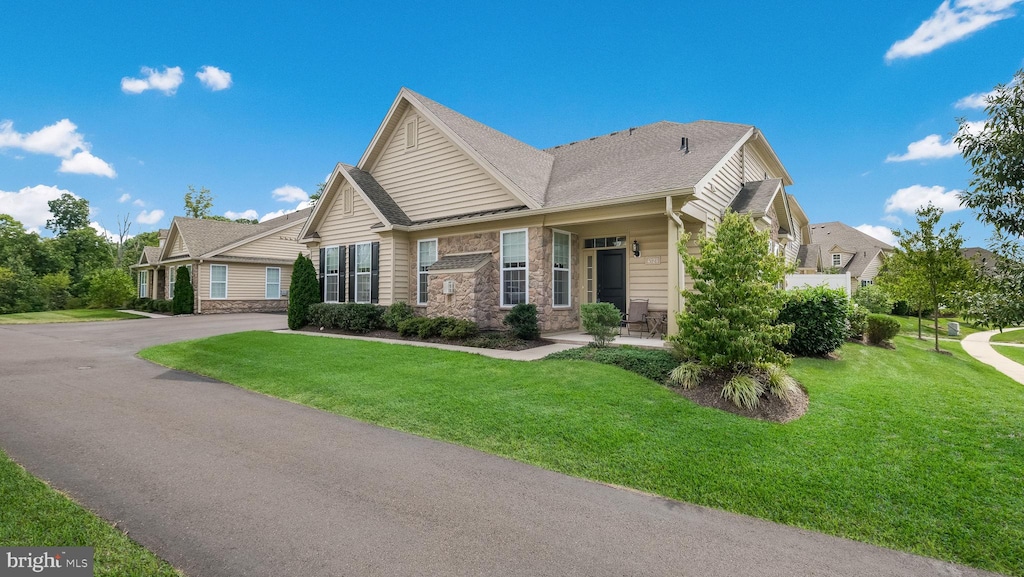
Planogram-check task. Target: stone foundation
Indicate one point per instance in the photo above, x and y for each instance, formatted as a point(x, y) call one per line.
point(258, 306)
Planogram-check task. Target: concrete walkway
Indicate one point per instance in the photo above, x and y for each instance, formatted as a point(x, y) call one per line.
point(221, 481)
point(977, 346)
point(534, 354)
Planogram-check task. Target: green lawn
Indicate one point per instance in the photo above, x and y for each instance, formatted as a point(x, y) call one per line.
point(1008, 336)
point(34, 515)
point(68, 316)
point(908, 327)
point(902, 448)
point(1012, 353)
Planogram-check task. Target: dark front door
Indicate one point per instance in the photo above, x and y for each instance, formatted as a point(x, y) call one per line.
point(611, 277)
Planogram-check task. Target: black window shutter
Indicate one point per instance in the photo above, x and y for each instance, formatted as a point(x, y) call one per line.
point(352, 273)
point(323, 295)
point(374, 272)
point(341, 273)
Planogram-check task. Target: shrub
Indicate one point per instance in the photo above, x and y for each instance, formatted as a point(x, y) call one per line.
point(110, 288)
point(161, 305)
point(743, 390)
point(777, 380)
point(459, 329)
point(856, 321)
point(818, 316)
point(874, 298)
point(411, 326)
point(687, 375)
point(901, 308)
point(602, 321)
point(184, 296)
point(303, 292)
point(522, 320)
point(395, 314)
point(653, 364)
point(882, 328)
point(54, 288)
point(355, 317)
point(76, 303)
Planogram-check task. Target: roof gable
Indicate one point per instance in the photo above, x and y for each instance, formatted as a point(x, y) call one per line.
point(363, 184)
point(204, 237)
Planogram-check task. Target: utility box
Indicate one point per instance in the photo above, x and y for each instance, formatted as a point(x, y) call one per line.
point(953, 328)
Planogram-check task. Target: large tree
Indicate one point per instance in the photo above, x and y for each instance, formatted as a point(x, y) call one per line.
point(996, 156)
point(69, 213)
point(198, 203)
point(935, 259)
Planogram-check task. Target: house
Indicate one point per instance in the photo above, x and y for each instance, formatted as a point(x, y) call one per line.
point(982, 258)
point(457, 218)
point(840, 248)
point(234, 267)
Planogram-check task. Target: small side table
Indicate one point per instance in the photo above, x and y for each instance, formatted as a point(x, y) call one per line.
point(657, 322)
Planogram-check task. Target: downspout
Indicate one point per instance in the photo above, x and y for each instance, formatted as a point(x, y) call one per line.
point(676, 269)
point(199, 293)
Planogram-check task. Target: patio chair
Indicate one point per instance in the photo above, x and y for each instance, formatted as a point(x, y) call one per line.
point(636, 317)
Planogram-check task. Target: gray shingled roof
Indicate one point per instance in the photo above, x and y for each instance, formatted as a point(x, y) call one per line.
point(378, 196)
point(981, 256)
point(151, 254)
point(638, 161)
point(809, 255)
point(527, 167)
point(203, 236)
point(756, 197)
point(864, 247)
point(461, 261)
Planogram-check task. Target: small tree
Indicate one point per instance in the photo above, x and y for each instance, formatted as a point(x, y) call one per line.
point(303, 292)
point(184, 296)
point(904, 281)
point(110, 288)
point(522, 321)
point(874, 298)
point(602, 321)
point(728, 322)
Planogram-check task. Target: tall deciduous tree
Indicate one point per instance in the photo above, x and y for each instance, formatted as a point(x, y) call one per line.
point(935, 259)
point(996, 156)
point(69, 213)
point(198, 203)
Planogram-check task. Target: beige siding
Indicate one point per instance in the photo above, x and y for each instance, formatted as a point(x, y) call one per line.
point(792, 249)
point(402, 257)
point(280, 245)
point(872, 269)
point(178, 246)
point(645, 278)
point(721, 189)
point(245, 281)
point(754, 167)
point(436, 178)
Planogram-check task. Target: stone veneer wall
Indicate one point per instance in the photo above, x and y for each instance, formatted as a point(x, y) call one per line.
point(477, 296)
point(230, 306)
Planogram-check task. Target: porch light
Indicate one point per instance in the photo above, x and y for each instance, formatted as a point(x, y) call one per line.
point(636, 248)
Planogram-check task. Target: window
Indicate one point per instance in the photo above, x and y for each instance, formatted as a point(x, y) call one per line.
point(410, 134)
point(837, 259)
point(143, 280)
point(273, 282)
point(590, 278)
point(427, 255)
point(218, 281)
point(560, 265)
point(606, 242)
point(866, 282)
point(331, 271)
point(364, 262)
point(171, 273)
point(513, 268)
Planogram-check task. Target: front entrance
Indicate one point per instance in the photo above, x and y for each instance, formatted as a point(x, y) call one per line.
point(611, 277)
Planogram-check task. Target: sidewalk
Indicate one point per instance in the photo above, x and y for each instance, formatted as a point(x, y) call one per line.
point(533, 354)
point(977, 346)
point(144, 314)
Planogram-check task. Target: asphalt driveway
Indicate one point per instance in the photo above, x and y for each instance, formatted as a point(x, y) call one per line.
point(222, 481)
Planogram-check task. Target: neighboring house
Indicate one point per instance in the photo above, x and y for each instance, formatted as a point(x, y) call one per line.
point(234, 267)
point(981, 257)
point(839, 248)
point(459, 219)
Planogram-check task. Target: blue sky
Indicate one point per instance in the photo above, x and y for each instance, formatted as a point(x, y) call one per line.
point(126, 104)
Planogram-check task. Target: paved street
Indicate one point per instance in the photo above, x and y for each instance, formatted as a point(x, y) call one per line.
point(224, 482)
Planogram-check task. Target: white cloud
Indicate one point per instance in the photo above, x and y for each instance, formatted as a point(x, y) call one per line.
point(930, 146)
point(167, 81)
point(289, 193)
point(978, 99)
point(28, 205)
point(111, 236)
point(149, 216)
point(951, 21)
point(138, 202)
point(85, 163)
point(124, 198)
point(250, 214)
point(910, 199)
point(214, 78)
point(282, 212)
point(882, 233)
point(893, 219)
point(60, 139)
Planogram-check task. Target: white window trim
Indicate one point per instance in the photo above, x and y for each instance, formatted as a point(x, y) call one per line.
point(266, 283)
point(368, 275)
point(144, 284)
point(502, 269)
point(422, 299)
point(834, 259)
point(568, 269)
point(328, 275)
point(213, 298)
point(171, 272)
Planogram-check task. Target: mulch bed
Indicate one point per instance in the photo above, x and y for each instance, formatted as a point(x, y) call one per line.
point(497, 340)
point(771, 408)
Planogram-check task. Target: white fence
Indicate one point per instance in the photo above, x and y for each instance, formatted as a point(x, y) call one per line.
point(835, 281)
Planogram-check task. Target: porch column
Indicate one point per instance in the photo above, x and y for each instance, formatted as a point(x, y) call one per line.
point(676, 269)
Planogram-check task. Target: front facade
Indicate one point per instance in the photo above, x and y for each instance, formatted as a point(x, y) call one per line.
point(233, 267)
point(461, 220)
